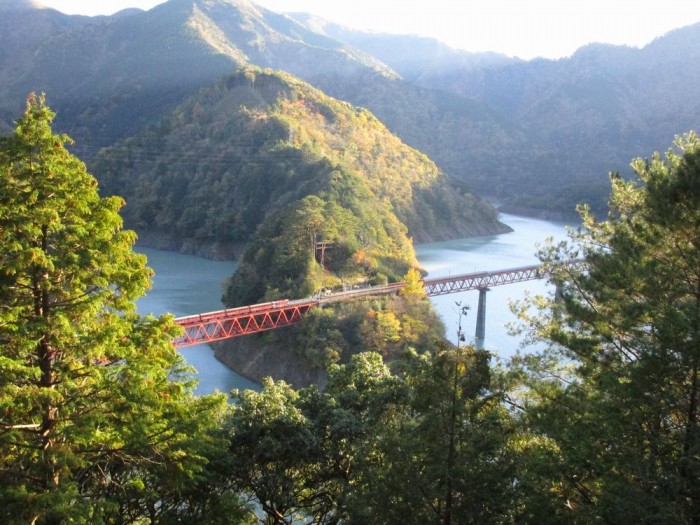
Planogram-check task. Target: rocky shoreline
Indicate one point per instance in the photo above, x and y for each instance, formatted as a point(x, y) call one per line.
point(215, 251)
point(252, 358)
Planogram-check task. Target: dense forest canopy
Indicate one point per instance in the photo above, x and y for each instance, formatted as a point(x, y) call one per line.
point(98, 423)
point(616, 394)
point(96, 406)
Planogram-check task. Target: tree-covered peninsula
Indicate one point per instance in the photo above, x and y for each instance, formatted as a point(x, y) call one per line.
point(318, 195)
point(249, 148)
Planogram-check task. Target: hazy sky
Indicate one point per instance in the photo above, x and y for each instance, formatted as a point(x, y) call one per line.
point(523, 28)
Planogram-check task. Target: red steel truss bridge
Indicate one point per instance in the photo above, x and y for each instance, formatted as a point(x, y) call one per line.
point(233, 322)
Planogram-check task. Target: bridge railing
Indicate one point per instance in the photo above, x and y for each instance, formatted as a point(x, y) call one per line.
point(233, 322)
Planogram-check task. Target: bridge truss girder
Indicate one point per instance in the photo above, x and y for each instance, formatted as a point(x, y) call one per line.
point(210, 328)
point(479, 281)
point(225, 324)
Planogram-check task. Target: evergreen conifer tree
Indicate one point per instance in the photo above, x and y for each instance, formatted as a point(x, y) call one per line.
point(97, 420)
point(617, 393)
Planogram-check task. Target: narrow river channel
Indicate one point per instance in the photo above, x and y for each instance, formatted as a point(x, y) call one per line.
point(184, 285)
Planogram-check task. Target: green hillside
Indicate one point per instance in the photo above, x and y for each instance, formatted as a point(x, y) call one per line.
point(262, 158)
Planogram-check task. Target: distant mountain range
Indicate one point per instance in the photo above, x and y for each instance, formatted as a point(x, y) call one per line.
point(538, 135)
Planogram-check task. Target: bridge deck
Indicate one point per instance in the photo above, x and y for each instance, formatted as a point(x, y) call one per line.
point(233, 322)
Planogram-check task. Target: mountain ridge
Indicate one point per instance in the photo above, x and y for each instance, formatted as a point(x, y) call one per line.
point(513, 129)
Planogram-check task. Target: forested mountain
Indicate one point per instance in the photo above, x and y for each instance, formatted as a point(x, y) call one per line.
point(232, 163)
point(539, 134)
point(98, 420)
point(118, 74)
point(424, 61)
point(568, 121)
point(100, 424)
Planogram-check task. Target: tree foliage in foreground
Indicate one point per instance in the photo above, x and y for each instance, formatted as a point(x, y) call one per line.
point(94, 428)
point(616, 396)
point(428, 446)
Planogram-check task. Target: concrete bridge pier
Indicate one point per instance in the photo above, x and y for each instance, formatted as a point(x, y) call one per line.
point(481, 319)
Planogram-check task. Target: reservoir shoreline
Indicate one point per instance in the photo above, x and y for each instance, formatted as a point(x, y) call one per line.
point(188, 284)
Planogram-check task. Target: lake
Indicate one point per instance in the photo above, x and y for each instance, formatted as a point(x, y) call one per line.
point(489, 253)
point(185, 285)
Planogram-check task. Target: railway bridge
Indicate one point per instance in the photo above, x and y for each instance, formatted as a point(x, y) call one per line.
point(244, 320)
